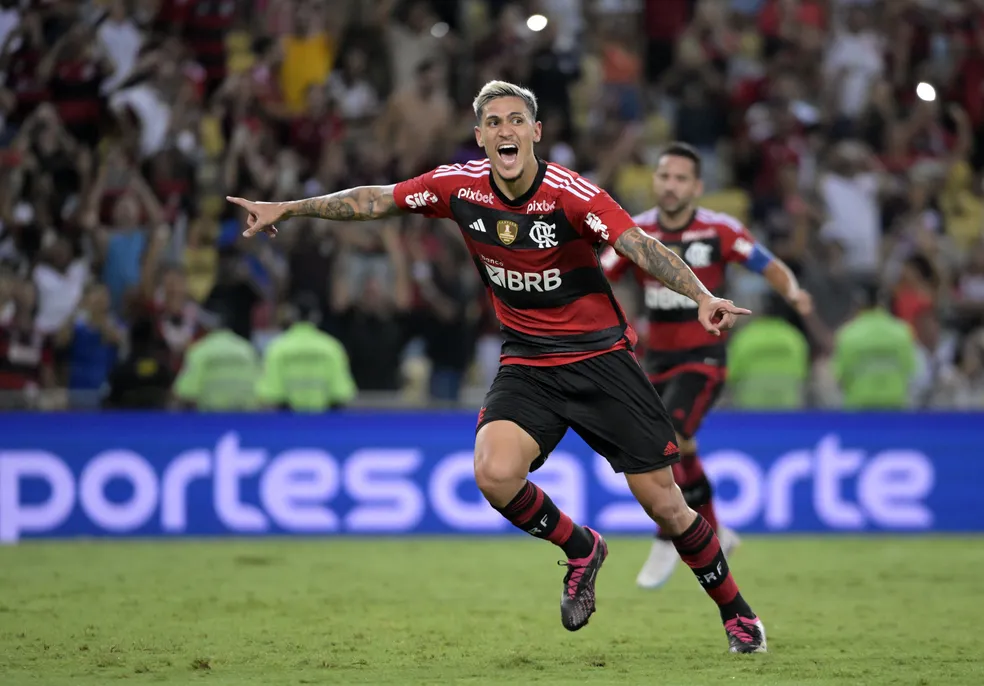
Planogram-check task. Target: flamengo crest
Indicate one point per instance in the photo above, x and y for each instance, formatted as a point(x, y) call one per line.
point(544, 234)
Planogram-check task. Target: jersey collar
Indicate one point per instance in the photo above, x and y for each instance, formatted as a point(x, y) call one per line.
point(525, 197)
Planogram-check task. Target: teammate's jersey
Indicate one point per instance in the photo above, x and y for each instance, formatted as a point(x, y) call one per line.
point(708, 242)
point(538, 256)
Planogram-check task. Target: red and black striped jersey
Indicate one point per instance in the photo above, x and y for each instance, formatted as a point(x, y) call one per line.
point(708, 243)
point(207, 23)
point(538, 256)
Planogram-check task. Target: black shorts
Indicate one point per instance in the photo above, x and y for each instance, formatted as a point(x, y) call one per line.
point(606, 399)
point(688, 393)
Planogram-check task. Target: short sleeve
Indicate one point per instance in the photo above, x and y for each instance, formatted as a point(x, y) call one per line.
point(739, 245)
point(426, 194)
point(596, 214)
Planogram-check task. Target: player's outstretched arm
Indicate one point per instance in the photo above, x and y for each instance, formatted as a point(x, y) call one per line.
point(664, 264)
point(355, 204)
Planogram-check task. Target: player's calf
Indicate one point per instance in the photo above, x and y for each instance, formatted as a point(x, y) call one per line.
point(533, 512)
point(699, 547)
point(697, 493)
point(503, 453)
point(690, 477)
point(662, 500)
point(695, 485)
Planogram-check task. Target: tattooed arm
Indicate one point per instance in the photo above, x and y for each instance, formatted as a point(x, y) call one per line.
point(656, 259)
point(355, 204)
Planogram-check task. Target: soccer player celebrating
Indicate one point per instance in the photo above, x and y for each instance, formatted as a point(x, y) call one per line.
point(684, 360)
point(534, 230)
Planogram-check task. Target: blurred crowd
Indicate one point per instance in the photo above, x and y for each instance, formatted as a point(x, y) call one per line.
point(847, 134)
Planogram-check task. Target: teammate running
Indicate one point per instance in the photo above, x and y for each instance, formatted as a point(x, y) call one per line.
point(684, 361)
point(535, 231)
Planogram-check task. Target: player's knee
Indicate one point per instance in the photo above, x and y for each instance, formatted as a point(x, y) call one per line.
point(495, 475)
point(501, 463)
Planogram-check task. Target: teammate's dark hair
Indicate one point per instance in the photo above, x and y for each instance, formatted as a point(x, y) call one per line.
point(680, 149)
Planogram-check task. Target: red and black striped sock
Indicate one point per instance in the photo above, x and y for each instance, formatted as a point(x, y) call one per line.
point(533, 511)
point(700, 549)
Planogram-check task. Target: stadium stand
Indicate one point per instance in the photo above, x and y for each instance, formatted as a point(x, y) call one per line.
point(848, 135)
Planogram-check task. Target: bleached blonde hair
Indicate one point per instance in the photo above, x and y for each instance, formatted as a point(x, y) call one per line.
point(503, 89)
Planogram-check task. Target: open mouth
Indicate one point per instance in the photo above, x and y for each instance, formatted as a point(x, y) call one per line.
point(508, 153)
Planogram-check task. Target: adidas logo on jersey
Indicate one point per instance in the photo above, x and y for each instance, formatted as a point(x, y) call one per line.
point(476, 196)
point(477, 225)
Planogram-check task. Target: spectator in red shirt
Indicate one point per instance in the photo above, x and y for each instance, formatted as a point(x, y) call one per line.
point(75, 71)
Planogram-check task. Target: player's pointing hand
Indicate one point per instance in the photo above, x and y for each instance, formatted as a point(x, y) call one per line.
point(718, 314)
point(261, 216)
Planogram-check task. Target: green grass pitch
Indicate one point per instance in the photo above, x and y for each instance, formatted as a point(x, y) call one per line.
point(852, 611)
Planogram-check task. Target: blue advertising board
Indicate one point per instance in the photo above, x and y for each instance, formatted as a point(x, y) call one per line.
point(411, 473)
